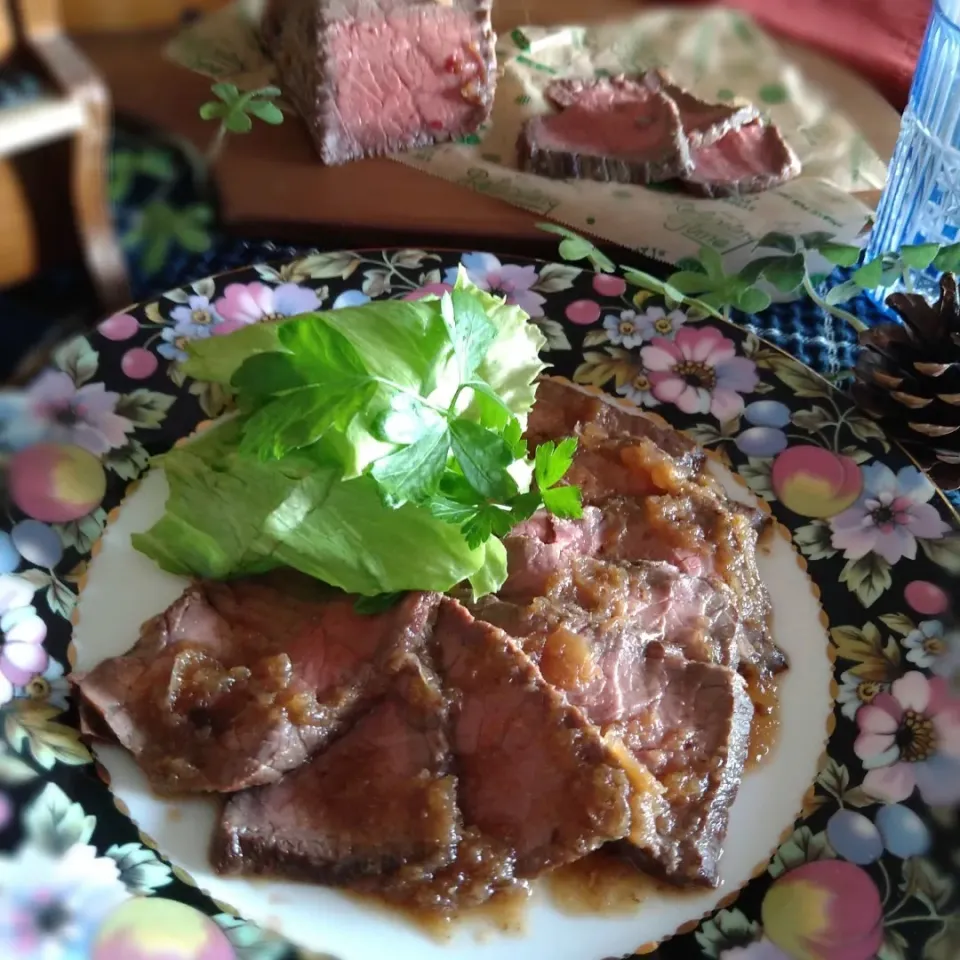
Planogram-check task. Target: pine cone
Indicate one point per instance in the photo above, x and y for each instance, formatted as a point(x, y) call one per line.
point(908, 379)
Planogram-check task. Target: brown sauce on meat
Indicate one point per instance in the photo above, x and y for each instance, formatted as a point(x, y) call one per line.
point(505, 913)
point(765, 728)
point(601, 883)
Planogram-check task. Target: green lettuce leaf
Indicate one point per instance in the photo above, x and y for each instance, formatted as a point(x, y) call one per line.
point(348, 419)
point(230, 515)
point(222, 357)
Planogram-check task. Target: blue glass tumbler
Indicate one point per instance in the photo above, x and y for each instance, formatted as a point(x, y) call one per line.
point(921, 201)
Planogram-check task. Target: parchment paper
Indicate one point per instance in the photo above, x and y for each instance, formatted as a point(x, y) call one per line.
point(716, 53)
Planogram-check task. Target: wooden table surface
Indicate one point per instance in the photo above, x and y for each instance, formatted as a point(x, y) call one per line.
point(270, 180)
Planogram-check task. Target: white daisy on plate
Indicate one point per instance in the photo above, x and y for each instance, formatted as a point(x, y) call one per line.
point(51, 905)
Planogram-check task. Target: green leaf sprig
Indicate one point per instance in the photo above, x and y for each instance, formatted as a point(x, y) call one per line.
point(702, 285)
point(236, 111)
point(574, 247)
point(786, 262)
point(790, 269)
point(464, 469)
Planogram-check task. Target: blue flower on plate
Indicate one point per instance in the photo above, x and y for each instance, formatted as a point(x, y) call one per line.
point(350, 298)
point(765, 437)
point(194, 320)
point(508, 280)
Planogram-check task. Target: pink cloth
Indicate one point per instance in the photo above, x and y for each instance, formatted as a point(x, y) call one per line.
point(879, 39)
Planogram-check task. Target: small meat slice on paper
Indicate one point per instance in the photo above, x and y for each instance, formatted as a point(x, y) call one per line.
point(378, 800)
point(704, 123)
point(749, 160)
point(601, 93)
point(237, 683)
point(635, 138)
point(534, 775)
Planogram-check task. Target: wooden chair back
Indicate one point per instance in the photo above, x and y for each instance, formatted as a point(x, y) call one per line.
point(62, 171)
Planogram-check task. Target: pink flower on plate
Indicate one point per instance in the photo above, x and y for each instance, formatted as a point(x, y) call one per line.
point(700, 372)
point(246, 303)
point(56, 410)
point(508, 280)
point(889, 515)
point(22, 655)
point(429, 289)
point(910, 737)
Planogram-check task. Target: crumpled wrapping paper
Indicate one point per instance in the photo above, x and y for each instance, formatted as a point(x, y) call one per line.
point(718, 54)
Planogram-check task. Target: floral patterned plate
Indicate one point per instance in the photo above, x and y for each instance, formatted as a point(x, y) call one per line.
point(865, 870)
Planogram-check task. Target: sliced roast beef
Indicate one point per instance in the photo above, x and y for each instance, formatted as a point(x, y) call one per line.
point(596, 93)
point(377, 76)
point(693, 533)
point(542, 546)
point(563, 409)
point(704, 538)
point(648, 499)
point(589, 634)
point(378, 801)
point(533, 774)
point(454, 786)
point(624, 454)
point(703, 123)
point(634, 138)
point(238, 682)
point(649, 655)
point(693, 737)
point(750, 159)
point(719, 149)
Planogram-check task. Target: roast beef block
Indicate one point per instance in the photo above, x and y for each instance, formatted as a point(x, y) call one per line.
point(380, 799)
point(753, 158)
point(590, 631)
point(238, 682)
point(629, 135)
point(703, 123)
point(693, 736)
point(534, 775)
point(378, 76)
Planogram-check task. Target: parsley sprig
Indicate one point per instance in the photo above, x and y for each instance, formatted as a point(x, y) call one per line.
point(463, 459)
